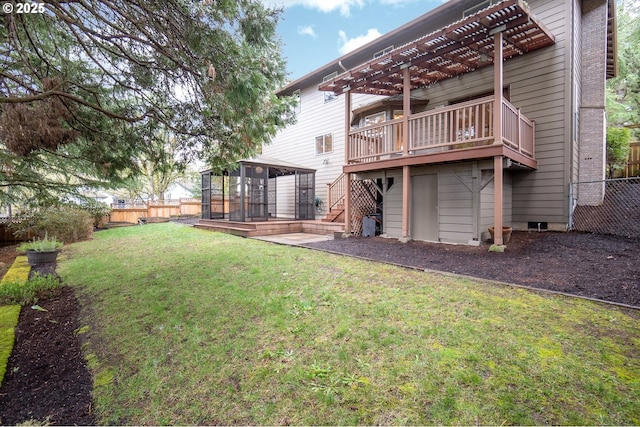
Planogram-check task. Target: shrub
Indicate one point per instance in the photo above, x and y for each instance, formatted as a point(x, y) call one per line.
point(68, 222)
point(27, 293)
point(617, 149)
point(45, 244)
point(98, 210)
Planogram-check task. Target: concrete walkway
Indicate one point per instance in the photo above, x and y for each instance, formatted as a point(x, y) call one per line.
point(294, 239)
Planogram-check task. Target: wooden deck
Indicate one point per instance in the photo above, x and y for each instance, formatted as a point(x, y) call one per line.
point(268, 228)
point(460, 132)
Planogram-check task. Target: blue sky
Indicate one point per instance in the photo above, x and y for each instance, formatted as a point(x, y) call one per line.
point(315, 32)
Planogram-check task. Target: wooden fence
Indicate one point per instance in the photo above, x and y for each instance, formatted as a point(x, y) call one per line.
point(633, 165)
point(7, 233)
point(126, 212)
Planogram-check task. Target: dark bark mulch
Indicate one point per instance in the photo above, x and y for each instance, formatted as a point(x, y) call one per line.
point(589, 265)
point(47, 378)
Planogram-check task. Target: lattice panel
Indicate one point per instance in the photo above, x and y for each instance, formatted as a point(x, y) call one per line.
point(363, 203)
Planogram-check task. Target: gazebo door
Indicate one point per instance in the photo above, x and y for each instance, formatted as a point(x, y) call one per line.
point(256, 178)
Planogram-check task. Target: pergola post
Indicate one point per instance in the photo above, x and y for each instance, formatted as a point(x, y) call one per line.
point(347, 153)
point(406, 170)
point(497, 133)
point(406, 107)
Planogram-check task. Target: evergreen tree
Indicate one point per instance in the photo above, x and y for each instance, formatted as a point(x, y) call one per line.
point(85, 83)
point(623, 92)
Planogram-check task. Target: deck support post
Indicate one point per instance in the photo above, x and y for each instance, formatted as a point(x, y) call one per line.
point(347, 177)
point(497, 133)
point(497, 200)
point(406, 193)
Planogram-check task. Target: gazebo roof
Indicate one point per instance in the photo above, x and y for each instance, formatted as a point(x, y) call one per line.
point(458, 48)
point(276, 167)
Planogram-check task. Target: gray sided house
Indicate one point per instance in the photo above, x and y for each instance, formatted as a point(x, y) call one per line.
point(473, 115)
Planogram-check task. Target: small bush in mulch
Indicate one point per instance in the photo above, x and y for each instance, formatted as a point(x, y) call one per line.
point(28, 293)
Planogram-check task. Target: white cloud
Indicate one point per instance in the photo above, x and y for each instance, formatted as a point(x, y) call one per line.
point(307, 30)
point(349, 45)
point(343, 6)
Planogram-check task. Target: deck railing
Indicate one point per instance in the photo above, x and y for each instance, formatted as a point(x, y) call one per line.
point(371, 142)
point(517, 130)
point(467, 125)
point(457, 127)
point(335, 192)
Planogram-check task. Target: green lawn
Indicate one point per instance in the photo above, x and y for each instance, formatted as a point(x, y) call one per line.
point(185, 326)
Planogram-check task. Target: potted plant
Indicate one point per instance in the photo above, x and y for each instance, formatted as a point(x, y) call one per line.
point(506, 234)
point(40, 251)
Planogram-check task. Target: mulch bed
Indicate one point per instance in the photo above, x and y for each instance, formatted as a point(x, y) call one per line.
point(589, 265)
point(47, 378)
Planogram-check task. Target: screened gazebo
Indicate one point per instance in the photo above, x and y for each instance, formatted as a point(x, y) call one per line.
point(249, 192)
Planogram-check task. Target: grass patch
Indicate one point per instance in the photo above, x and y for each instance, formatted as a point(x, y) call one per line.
point(8, 320)
point(16, 276)
point(193, 327)
point(18, 272)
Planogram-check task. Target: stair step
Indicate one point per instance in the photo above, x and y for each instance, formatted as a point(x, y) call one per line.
point(334, 215)
point(236, 231)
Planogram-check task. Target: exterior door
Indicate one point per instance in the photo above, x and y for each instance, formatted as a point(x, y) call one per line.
point(205, 179)
point(305, 195)
point(256, 179)
point(424, 208)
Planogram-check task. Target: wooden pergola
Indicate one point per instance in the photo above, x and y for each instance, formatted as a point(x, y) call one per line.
point(488, 37)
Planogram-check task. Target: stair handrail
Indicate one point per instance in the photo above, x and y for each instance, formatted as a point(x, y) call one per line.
point(336, 192)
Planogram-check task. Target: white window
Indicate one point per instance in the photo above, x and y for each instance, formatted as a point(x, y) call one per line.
point(375, 119)
point(324, 143)
point(329, 96)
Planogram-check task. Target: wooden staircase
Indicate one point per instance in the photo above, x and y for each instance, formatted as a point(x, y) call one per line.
point(336, 214)
point(242, 229)
point(335, 200)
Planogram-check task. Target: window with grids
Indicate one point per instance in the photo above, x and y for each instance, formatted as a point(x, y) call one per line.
point(324, 143)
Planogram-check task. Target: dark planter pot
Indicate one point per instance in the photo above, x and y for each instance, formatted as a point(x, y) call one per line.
point(506, 234)
point(35, 257)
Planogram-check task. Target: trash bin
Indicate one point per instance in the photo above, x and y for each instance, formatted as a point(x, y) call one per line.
point(368, 227)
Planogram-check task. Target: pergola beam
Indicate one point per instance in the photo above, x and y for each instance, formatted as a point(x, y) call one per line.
point(453, 50)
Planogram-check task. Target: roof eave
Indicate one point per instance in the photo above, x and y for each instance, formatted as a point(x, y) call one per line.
point(347, 60)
